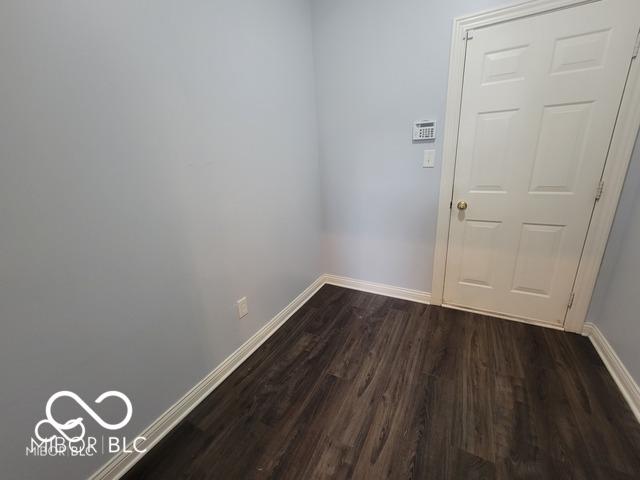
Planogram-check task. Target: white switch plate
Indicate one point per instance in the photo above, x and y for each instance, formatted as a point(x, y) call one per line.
point(243, 307)
point(429, 160)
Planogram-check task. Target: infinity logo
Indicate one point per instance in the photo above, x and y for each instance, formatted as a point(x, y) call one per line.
point(62, 428)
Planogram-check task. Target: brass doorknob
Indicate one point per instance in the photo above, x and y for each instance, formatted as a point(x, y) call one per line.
point(462, 205)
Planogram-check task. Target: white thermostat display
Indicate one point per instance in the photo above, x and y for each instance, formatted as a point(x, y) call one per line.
point(424, 130)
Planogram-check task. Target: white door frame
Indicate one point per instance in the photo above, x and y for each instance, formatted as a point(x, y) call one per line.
point(623, 141)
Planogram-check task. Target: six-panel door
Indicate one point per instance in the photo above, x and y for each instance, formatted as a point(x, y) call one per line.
point(540, 100)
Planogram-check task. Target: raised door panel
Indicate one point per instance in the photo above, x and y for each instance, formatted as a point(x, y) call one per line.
point(489, 169)
point(505, 65)
point(578, 53)
point(537, 259)
point(560, 148)
point(479, 249)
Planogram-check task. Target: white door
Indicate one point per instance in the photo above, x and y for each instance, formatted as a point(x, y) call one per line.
point(540, 100)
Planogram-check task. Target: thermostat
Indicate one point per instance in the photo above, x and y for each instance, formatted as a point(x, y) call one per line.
point(424, 130)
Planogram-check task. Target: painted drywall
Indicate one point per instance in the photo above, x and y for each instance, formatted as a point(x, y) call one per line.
point(379, 67)
point(158, 162)
point(615, 305)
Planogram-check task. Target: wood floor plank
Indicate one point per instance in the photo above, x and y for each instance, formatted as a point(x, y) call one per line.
point(362, 386)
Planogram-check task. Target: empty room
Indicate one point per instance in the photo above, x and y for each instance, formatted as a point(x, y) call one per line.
point(319, 239)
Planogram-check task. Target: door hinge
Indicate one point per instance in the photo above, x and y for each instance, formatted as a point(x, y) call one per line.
point(600, 190)
point(468, 35)
point(636, 49)
point(571, 298)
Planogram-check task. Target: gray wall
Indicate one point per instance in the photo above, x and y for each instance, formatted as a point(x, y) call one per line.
point(380, 66)
point(158, 161)
point(615, 306)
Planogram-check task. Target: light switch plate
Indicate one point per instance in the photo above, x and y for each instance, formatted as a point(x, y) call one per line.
point(429, 160)
point(243, 307)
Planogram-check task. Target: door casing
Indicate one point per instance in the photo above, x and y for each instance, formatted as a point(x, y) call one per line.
point(617, 162)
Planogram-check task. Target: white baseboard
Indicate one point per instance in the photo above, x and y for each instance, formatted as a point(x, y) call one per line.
point(379, 288)
point(118, 465)
point(622, 377)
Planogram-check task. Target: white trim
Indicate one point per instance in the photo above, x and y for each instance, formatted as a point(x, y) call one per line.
point(449, 151)
point(379, 288)
point(615, 172)
point(118, 465)
point(622, 377)
point(623, 141)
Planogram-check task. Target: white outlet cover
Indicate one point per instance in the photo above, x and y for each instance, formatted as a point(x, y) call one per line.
point(243, 307)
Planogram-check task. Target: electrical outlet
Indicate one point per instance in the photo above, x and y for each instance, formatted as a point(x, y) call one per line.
point(243, 307)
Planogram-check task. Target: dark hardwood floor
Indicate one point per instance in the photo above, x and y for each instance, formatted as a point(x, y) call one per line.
point(362, 386)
